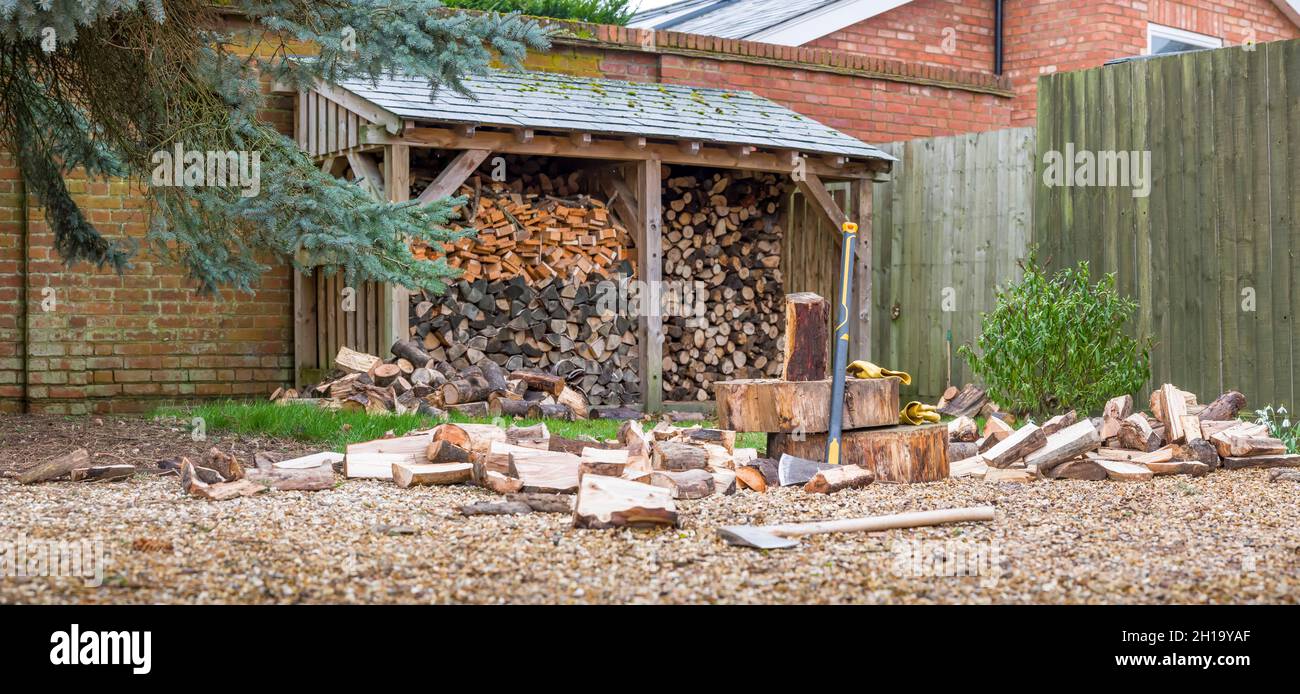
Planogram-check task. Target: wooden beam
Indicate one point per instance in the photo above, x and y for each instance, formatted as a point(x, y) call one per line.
point(371, 112)
point(690, 148)
point(622, 199)
point(524, 135)
point(580, 140)
point(813, 188)
point(451, 177)
point(635, 143)
point(397, 188)
point(741, 151)
point(649, 248)
point(368, 170)
point(863, 271)
point(555, 146)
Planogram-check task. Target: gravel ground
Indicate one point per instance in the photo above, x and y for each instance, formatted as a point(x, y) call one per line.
point(1230, 537)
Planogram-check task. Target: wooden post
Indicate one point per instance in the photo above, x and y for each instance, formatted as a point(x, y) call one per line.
point(649, 249)
point(397, 188)
point(863, 271)
point(304, 328)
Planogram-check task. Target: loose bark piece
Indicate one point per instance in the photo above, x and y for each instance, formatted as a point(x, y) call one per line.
point(684, 484)
point(1135, 433)
point(496, 508)
point(56, 467)
point(288, 479)
point(963, 429)
point(1019, 444)
point(967, 403)
point(721, 437)
point(1284, 475)
point(767, 405)
point(633, 438)
point(1171, 410)
point(750, 477)
point(672, 455)
point(501, 484)
point(1113, 415)
point(807, 337)
point(413, 475)
point(1078, 469)
point(899, 453)
point(960, 450)
point(101, 473)
point(1200, 450)
point(1262, 461)
point(1224, 407)
point(610, 502)
point(724, 481)
point(543, 502)
point(1070, 442)
point(843, 477)
point(1128, 472)
point(225, 463)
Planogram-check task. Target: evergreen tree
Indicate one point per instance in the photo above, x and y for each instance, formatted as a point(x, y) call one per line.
point(615, 12)
point(107, 86)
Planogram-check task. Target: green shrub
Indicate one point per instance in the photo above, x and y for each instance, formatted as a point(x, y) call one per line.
point(1057, 343)
point(599, 11)
point(1280, 426)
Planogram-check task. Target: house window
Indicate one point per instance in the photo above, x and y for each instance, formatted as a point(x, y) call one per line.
point(1163, 39)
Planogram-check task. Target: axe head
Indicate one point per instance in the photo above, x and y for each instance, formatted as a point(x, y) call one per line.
point(755, 536)
point(792, 470)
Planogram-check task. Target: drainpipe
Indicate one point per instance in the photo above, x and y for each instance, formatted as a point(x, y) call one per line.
point(997, 36)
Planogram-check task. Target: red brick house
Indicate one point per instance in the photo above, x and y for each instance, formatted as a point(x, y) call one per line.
point(1018, 39)
point(80, 340)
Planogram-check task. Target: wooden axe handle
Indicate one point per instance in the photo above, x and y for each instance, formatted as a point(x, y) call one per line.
point(915, 519)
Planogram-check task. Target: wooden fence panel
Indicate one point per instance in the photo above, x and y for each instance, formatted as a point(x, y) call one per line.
point(1210, 253)
point(949, 228)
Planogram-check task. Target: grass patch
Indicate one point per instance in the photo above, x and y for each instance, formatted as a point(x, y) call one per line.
point(335, 429)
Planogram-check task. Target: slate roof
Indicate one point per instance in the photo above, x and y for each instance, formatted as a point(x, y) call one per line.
point(549, 101)
point(729, 19)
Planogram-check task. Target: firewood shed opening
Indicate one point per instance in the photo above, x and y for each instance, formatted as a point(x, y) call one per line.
point(628, 236)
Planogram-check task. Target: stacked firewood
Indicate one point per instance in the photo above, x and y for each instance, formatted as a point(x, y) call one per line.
point(722, 234)
point(415, 381)
point(536, 227)
point(1179, 436)
point(562, 328)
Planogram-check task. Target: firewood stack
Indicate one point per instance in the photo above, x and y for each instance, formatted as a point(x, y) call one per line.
point(1179, 437)
point(721, 229)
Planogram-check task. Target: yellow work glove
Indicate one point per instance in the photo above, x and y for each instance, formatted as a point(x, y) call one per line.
point(865, 369)
point(918, 413)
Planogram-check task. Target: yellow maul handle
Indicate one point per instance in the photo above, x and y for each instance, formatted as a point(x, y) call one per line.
point(865, 369)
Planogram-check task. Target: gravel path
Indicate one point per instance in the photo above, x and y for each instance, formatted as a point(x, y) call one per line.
point(1228, 537)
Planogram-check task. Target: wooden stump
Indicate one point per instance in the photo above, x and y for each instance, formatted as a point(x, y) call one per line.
point(787, 407)
point(807, 337)
point(893, 454)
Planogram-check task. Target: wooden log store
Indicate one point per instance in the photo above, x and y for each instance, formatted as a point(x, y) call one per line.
point(584, 162)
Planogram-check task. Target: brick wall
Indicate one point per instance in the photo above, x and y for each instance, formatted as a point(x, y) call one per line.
point(949, 33)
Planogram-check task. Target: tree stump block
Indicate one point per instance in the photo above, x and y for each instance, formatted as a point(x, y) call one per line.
point(899, 453)
point(772, 406)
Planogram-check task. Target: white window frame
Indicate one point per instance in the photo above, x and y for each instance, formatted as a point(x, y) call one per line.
point(1155, 31)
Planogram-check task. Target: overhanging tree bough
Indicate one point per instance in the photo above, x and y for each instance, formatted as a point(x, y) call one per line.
point(104, 86)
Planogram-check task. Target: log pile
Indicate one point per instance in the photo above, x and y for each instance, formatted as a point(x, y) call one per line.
point(1180, 437)
point(562, 328)
point(415, 381)
point(722, 232)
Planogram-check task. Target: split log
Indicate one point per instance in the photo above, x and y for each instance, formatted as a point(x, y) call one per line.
point(995, 430)
point(499, 483)
point(385, 374)
point(101, 473)
point(684, 484)
point(536, 436)
point(1179, 467)
point(1078, 469)
point(960, 450)
point(672, 455)
point(968, 467)
point(967, 403)
point(1059, 422)
point(807, 337)
point(289, 479)
point(1172, 407)
point(543, 502)
point(541, 381)
point(463, 391)
point(610, 502)
point(1128, 472)
point(1229, 444)
point(1136, 433)
point(411, 448)
point(1019, 444)
point(788, 407)
point(221, 491)
point(899, 453)
point(1262, 461)
point(556, 410)
point(633, 438)
point(225, 463)
point(1224, 407)
point(750, 477)
point(602, 461)
point(409, 475)
point(1202, 451)
point(56, 467)
point(477, 438)
point(963, 429)
point(446, 452)
point(505, 407)
point(721, 437)
point(373, 466)
point(546, 472)
point(355, 362)
point(412, 351)
point(1070, 442)
point(574, 401)
point(1113, 415)
point(1019, 475)
point(1284, 475)
point(843, 477)
point(724, 482)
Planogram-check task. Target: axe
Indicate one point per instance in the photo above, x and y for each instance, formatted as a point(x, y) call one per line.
point(849, 237)
point(785, 536)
